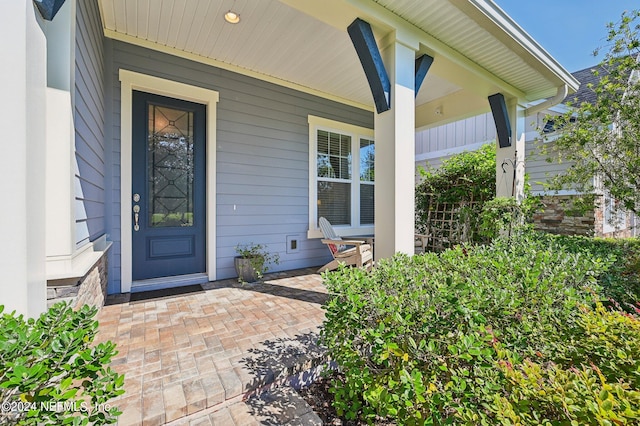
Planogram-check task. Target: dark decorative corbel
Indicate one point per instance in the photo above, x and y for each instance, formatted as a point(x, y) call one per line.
point(371, 60)
point(423, 63)
point(48, 8)
point(501, 119)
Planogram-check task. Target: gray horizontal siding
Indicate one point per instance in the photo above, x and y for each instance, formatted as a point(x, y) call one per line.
point(537, 167)
point(262, 156)
point(89, 124)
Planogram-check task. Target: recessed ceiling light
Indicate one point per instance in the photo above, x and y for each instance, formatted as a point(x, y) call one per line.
point(232, 17)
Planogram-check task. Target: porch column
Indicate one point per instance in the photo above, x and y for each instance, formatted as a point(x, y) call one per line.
point(512, 156)
point(395, 156)
point(22, 217)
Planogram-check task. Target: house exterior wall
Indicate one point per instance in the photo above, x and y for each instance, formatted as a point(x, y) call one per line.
point(537, 167)
point(557, 217)
point(436, 144)
point(89, 116)
point(262, 156)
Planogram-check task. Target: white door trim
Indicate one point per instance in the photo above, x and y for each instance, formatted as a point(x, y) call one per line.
point(130, 81)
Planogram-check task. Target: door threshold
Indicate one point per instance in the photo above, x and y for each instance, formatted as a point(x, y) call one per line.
point(168, 282)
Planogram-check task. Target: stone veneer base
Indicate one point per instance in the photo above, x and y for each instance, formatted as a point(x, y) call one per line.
point(90, 289)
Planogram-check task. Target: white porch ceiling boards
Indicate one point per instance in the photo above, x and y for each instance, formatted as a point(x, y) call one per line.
point(271, 39)
point(304, 44)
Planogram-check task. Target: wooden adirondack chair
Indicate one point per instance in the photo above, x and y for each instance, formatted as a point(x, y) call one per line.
point(359, 254)
point(420, 243)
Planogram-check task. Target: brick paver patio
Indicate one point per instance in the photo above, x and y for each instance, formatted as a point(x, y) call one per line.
point(195, 358)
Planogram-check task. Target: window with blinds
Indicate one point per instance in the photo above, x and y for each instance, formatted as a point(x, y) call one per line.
point(334, 177)
point(344, 170)
point(367, 177)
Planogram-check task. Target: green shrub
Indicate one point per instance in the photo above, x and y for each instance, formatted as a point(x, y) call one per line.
point(597, 384)
point(506, 215)
point(467, 180)
point(621, 282)
point(457, 202)
point(470, 175)
point(419, 340)
point(51, 374)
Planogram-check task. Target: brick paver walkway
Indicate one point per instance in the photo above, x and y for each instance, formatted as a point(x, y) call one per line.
point(195, 358)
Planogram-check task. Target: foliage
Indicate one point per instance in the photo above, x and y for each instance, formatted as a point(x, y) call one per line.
point(430, 339)
point(621, 282)
point(51, 374)
point(603, 138)
point(466, 179)
point(500, 214)
point(258, 257)
point(602, 391)
point(466, 182)
point(470, 175)
point(506, 214)
point(538, 394)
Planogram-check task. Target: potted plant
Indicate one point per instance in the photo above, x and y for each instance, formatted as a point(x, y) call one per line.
point(253, 261)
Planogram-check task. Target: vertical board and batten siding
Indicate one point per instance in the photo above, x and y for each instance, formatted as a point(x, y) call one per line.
point(456, 135)
point(437, 144)
point(262, 167)
point(89, 117)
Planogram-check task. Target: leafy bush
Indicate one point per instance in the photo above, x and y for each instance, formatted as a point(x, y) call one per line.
point(506, 214)
point(426, 339)
point(470, 175)
point(603, 390)
point(466, 180)
point(51, 374)
point(621, 282)
point(499, 214)
point(457, 202)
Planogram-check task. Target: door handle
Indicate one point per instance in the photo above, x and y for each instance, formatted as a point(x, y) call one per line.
point(136, 216)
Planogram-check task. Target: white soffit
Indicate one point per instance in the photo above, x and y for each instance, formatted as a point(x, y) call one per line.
point(283, 44)
point(488, 37)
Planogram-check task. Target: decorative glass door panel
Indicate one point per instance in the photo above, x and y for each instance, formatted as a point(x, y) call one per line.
point(168, 187)
point(170, 163)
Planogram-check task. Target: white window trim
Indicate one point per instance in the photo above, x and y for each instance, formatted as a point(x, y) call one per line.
point(130, 81)
point(356, 132)
point(617, 221)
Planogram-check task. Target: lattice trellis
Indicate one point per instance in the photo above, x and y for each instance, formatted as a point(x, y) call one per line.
point(448, 224)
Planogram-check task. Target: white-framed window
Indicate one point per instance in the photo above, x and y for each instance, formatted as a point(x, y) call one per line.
point(341, 176)
point(615, 217)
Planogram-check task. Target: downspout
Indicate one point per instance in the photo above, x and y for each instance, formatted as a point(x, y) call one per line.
point(562, 93)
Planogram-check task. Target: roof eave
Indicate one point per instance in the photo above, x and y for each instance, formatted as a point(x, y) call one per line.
point(510, 33)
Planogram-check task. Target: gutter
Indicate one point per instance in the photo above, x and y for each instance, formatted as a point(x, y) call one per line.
point(562, 93)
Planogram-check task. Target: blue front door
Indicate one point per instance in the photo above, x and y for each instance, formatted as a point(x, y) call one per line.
point(168, 187)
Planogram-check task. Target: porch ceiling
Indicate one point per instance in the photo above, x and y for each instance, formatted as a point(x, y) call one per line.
point(304, 44)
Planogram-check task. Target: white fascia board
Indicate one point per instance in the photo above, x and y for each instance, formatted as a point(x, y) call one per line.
point(409, 34)
point(515, 31)
point(388, 26)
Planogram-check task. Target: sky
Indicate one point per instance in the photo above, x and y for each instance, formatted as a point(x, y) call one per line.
point(569, 30)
